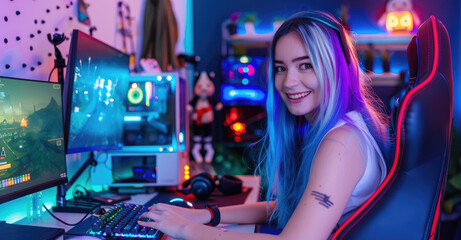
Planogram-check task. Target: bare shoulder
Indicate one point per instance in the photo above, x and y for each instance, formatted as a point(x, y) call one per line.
point(342, 148)
point(345, 134)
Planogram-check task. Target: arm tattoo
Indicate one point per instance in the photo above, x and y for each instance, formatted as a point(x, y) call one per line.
point(323, 199)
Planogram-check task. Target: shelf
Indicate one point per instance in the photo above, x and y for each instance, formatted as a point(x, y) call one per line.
point(382, 41)
point(250, 38)
point(385, 79)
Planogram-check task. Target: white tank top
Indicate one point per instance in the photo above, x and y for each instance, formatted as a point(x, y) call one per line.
point(375, 168)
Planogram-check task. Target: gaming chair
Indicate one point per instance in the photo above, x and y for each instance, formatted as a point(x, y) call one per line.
point(407, 204)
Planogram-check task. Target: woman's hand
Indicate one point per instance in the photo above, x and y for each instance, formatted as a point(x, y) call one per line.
point(201, 216)
point(172, 220)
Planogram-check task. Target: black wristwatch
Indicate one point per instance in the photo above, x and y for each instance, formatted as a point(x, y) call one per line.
point(215, 214)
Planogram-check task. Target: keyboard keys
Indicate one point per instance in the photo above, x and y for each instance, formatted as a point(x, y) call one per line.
point(122, 221)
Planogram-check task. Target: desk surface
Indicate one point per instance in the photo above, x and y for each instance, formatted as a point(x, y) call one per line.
point(48, 221)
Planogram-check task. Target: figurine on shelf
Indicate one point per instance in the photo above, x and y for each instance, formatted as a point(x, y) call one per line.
point(202, 107)
point(399, 16)
point(232, 23)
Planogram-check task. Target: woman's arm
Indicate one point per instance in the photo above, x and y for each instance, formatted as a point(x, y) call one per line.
point(246, 213)
point(336, 169)
point(238, 214)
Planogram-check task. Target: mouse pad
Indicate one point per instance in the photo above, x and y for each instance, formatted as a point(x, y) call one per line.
point(216, 197)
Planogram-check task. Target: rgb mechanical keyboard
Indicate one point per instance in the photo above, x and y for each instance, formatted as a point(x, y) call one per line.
point(118, 222)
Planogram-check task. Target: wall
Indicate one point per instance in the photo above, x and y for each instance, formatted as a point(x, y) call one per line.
point(26, 53)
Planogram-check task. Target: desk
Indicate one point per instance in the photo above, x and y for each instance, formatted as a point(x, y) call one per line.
point(48, 221)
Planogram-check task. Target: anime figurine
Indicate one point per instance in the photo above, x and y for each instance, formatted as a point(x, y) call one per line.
point(202, 107)
point(399, 16)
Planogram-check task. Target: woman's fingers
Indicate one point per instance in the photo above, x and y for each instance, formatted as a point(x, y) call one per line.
point(151, 224)
point(151, 215)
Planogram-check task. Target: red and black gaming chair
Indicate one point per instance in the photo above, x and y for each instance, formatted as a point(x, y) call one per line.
point(407, 205)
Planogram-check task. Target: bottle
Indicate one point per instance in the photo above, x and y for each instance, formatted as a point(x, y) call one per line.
point(34, 208)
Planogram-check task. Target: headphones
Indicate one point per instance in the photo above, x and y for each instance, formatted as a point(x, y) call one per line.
point(329, 21)
point(203, 185)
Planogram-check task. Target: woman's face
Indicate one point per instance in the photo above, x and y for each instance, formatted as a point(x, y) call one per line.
point(295, 79)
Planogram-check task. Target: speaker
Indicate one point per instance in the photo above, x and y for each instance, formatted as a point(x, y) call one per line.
point(203, 185)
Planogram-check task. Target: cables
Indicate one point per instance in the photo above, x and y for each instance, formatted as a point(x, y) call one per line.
point(71, 224)
point(51, 73)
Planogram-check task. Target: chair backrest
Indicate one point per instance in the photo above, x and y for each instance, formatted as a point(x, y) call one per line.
point(407, 204)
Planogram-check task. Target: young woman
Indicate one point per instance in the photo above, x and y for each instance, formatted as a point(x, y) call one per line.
point(322, 155)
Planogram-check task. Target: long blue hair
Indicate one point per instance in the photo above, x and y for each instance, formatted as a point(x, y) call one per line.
point(290, 142)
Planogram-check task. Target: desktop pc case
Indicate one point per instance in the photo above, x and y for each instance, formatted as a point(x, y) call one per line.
point(154, 136)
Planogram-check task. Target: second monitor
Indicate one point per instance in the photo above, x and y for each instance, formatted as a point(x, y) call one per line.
point(96, 84)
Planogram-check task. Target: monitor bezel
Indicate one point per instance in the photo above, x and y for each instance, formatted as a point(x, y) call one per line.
point(42, 186)
point(68, 94)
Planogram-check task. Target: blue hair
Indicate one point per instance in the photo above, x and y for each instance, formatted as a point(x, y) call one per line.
point(290, 142)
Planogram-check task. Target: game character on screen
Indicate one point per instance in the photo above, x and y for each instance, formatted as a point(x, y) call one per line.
point(322, 154)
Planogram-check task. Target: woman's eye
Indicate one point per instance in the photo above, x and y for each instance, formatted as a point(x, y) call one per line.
point(305, 66)
point(278, 69)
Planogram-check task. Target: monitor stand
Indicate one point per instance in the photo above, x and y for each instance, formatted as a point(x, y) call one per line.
point(26, 232)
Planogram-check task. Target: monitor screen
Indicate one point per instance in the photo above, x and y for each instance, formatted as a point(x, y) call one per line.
point(32, 154)
point(244, 80)
point(96, 86)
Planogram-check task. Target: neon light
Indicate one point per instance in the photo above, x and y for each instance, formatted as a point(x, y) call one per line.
point(176, 200)
point(238, 128)
point(159, 78)
point(406, 21)
point(231, 93)
point(245, 69)
point(148, 90)
point(240, 69)
point(244, 59)
point(135, 95)
point(170, 149)
point(132, 118)
point(168, 78)
point(399, 21)
point(251, 70)
point(181, 137)
point(245, 81)
point(234, 114)
point(391, 22)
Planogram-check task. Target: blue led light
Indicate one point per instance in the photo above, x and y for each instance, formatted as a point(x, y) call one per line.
point(176, 200)
point(132, 118)
point(233, 93)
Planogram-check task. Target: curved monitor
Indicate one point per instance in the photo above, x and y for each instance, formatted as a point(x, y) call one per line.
point(96, 86)
point(32, 156)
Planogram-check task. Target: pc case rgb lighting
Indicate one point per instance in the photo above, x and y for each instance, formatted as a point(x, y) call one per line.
point(153, 135)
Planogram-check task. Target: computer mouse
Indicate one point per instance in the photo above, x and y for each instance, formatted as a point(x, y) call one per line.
point(181, 203)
